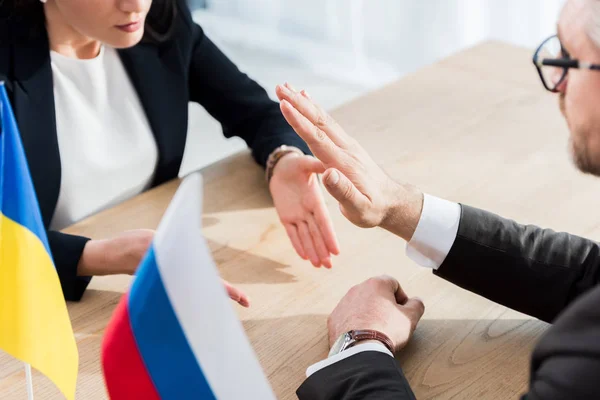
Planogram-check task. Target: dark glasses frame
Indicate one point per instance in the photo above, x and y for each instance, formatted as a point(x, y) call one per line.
point(566, 63)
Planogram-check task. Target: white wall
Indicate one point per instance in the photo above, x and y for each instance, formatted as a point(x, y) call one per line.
point(341, 48)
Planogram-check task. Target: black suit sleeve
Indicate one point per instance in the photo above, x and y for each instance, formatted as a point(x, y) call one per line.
point(369, 375)
point(241, 105)
point(536, 271)
point(66, 251)
point(566, 362)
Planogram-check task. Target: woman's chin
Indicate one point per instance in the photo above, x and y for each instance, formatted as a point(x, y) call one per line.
point(124, 40)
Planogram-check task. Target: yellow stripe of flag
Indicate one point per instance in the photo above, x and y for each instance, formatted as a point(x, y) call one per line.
point(34, 321)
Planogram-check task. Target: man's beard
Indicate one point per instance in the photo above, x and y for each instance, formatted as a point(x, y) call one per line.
point(579, 153)
point(582, 160)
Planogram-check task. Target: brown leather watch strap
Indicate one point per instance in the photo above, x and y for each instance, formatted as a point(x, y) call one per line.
point(369, 334)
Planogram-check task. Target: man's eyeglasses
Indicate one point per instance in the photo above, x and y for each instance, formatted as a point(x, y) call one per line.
point(553, 63)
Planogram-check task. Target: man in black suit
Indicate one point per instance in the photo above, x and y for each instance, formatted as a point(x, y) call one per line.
point(549, 275)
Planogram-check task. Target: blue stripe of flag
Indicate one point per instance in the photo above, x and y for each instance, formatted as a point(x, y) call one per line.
point(170, 362)
point(17, 195)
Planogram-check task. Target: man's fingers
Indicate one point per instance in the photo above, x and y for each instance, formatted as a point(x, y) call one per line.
point(313, 112)
point(394, 287)
point(292, 232)
point(236, 294)
point(289, 86)
point(417, 308)
point(343, 190)
point(401, 297)
point(322, 147)
point(319, 242)
point(307, 243)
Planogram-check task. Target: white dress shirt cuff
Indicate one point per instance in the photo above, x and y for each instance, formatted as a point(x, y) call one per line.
point(435, 233)
point(359, 348)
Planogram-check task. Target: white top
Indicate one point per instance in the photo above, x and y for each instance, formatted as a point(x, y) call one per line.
point(107, 150)
point(429, 246)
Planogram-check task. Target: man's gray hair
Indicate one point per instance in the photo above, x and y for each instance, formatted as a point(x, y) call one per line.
point(594, 21)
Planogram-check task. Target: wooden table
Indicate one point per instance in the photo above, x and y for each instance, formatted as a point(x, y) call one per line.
point(476, 128)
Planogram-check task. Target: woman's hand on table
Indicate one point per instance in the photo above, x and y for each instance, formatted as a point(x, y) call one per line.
point(123, 253)
point(301, 207)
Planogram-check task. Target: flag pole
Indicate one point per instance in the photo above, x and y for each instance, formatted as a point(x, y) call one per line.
point(29, 381)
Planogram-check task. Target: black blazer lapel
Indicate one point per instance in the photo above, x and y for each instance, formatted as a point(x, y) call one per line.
point(157, 77)
point(33, 102)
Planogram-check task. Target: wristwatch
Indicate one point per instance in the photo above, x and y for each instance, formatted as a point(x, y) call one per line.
point(351, 338)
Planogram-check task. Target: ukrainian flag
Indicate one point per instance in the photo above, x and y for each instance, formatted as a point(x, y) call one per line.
point(34, 322)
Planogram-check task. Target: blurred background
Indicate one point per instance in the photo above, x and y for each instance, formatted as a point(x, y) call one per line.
point(341, 49)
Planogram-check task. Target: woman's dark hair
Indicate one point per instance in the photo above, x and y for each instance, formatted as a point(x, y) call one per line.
point(26, 19)
point(160, 21)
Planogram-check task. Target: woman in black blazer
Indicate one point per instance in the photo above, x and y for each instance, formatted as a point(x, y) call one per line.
point(168, 62)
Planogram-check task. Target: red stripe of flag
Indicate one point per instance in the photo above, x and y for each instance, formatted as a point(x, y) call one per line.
point(125, 374)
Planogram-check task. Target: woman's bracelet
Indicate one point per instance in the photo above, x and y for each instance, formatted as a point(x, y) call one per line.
point(277, 155)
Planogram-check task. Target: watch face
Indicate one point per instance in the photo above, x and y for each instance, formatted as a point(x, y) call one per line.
point(340, 344)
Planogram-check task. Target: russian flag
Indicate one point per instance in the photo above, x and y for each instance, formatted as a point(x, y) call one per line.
point(175, 335)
